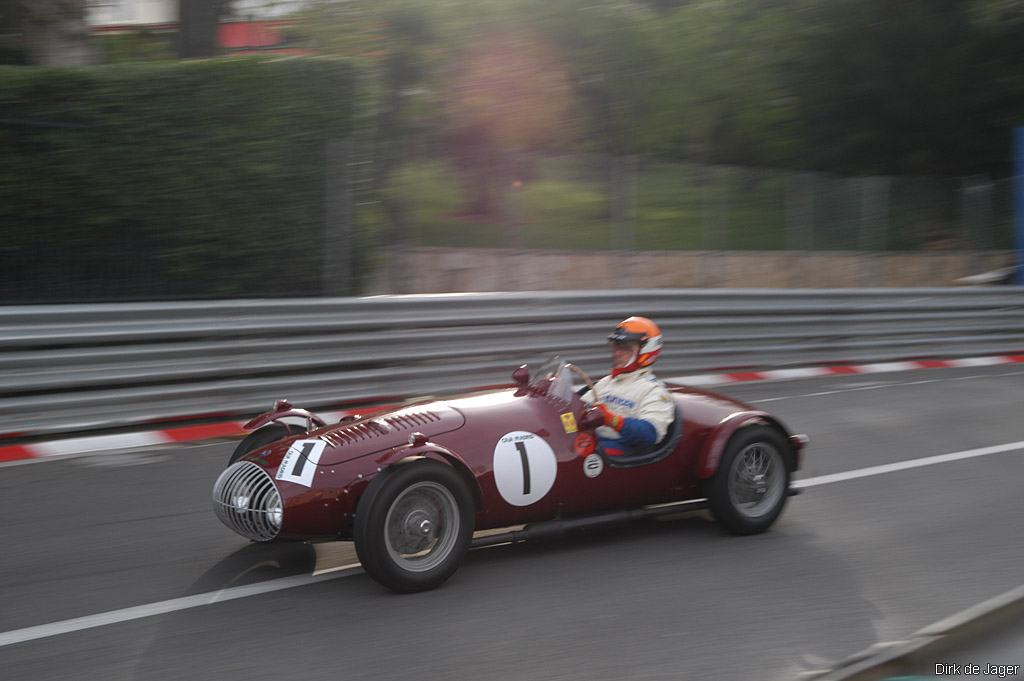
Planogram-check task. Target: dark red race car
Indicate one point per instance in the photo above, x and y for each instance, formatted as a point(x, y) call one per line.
point(411, 485)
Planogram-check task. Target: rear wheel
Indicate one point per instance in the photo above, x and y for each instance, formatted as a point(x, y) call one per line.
point(748, 491)
point(413, 526)
point(263, 437)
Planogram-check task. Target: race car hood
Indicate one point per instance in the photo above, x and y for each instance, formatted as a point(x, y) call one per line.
point(385, 430)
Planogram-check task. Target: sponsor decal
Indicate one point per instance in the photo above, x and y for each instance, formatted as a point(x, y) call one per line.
point(569, 423)
point(593, 465)
point(584, 444)
point(619, 401)
point(261, 458)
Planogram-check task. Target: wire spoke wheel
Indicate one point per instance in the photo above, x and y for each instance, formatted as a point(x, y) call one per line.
point(413, 525)
point(422, 526)
point(750, 488)
point(756, 479)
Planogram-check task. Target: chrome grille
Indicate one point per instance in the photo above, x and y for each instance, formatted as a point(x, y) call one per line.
point(245, 499)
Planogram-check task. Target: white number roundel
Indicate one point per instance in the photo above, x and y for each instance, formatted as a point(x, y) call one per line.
point(524, 468)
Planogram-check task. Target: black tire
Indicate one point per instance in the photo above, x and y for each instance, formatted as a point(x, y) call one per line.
point(750, 487)
point(263, 437)
point(413, 525)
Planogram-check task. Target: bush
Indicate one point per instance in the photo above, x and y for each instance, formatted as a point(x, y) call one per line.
point(167, 179)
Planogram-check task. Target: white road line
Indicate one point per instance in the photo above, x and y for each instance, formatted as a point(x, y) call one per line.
point(905, 465)
point(877, 386)
point(175, 604)
point(163, 607)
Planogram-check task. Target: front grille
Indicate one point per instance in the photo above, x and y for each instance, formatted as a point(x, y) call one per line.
point(245, 499)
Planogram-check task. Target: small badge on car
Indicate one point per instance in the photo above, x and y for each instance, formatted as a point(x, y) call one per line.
point(593, 465)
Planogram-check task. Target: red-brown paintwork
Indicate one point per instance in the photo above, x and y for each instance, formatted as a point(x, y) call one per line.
point(464, 432)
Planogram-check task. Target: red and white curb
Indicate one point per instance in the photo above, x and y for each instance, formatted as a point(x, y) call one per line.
point(96, 443)
point(707, 380)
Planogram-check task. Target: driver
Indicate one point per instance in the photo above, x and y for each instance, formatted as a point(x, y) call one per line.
point(637, 407)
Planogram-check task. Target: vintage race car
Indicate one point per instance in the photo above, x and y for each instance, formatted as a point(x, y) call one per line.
point(411, 485)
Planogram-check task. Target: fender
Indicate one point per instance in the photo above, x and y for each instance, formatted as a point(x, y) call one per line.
point(420, 448)
point(714, 445)
point(284, 409)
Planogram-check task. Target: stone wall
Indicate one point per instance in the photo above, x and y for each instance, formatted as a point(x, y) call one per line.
point(445, 270)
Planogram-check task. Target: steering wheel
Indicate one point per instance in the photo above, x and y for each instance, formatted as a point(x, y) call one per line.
point(586, 379)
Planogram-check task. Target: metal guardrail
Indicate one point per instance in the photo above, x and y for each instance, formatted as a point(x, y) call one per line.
point(72, 368)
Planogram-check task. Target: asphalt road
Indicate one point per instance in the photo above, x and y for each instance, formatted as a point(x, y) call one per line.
point(857, 559)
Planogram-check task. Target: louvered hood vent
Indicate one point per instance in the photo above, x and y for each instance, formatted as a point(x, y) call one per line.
point(348, 441)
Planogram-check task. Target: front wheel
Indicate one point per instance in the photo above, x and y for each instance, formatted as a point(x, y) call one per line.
point(748, 491)
point(413, 526)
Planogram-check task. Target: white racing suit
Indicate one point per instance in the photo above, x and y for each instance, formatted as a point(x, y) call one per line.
point(644, 402)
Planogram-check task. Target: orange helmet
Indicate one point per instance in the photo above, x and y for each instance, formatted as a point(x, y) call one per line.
point(644, 331)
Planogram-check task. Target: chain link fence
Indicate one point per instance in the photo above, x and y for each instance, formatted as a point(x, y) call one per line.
point(329, 224)
point(592, 202)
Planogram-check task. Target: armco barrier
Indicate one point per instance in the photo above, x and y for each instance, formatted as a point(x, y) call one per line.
point(74, 368)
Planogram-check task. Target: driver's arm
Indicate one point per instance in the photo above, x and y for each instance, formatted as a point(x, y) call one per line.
point(633, 432)
point(653, 416)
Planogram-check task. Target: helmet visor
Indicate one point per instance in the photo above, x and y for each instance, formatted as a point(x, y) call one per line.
point(620, 335)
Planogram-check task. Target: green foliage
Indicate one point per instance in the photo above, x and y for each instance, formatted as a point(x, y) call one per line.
point(916, 87)
point(564, 204)
point(215, 169)
point(848, 87)
point(140, 45)
point(726, 103)
point(194, 178)
point(613, 52)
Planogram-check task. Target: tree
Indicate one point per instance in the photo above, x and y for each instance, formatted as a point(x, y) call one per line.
point(12, 26)
point(394, 44)
point(724, 102)
point(56, 34)
point(197, 26)
point(915, 87)
point(507, 92)
point(611, 53)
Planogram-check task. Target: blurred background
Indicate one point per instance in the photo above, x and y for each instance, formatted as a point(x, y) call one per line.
point(324, 150)
point(196, 149)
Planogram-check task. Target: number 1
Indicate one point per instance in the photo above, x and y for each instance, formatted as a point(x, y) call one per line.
point(526, 468)
point(307, 449)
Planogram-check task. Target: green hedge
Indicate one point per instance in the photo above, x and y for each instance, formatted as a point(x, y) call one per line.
point(167, 179)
